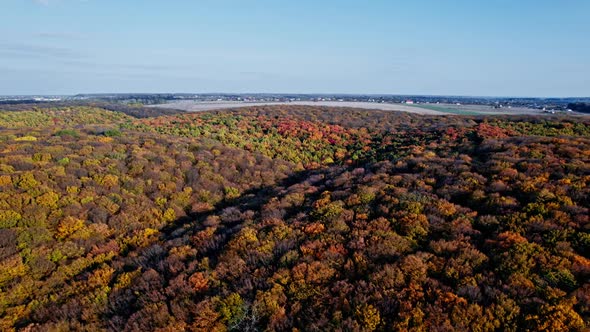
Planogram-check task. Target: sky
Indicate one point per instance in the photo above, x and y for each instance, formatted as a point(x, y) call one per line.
point(535, 48)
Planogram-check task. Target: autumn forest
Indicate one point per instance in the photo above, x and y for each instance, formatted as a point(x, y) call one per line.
point(292, 218)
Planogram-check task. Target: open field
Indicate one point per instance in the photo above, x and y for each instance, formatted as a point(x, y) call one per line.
point(480, 109)
point(195, 106)
point(428, 109)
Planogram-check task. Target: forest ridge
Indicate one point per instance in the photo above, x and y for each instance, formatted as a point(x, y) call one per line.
point(292, 218)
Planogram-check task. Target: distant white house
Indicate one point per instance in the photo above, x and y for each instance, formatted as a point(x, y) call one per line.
point(409, 102)
point(46, 99)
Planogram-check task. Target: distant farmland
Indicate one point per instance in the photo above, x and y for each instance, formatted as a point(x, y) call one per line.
point(445, 109)
point(428, 109)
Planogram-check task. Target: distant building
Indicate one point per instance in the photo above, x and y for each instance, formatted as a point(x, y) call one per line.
point(409, 102)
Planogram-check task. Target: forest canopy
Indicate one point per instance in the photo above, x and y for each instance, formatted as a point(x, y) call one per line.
point(292, 218)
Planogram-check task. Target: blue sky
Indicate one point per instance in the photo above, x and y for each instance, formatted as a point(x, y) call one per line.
point(492, 48)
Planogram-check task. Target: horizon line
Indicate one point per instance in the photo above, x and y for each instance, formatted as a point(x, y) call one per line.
point(296, 93)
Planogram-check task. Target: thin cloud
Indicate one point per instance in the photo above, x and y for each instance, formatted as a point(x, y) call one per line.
point(119, 66)
point(50, 2)
point(40, 51)
point(58, 35)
